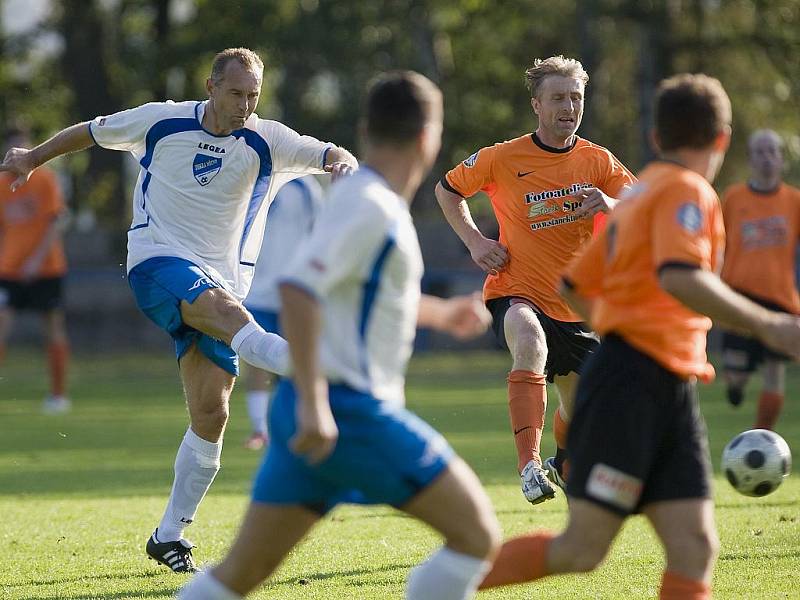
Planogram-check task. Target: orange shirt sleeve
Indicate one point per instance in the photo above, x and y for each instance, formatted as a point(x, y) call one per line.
point(585, 273)
point(683, 228)
point(616, 177)
point(472, 175)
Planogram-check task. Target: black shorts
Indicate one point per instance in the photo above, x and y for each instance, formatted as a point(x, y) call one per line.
point(744, 354)
point(637, 435)
point(568, 343)
point(39, 294)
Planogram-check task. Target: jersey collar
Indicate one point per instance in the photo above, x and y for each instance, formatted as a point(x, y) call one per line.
point(547, 148)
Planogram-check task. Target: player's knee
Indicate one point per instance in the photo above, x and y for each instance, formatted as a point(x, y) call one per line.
point(209, 420)
point(481, 539)
point(578, 552)
point(693, 552)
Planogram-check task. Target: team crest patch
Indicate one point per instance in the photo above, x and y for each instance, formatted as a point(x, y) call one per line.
point(470, 162)
point(690, 217)
point(205, 168)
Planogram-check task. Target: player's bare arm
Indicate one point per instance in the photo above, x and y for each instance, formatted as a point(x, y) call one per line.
point(488, 254)
point(706, 293)
point(462, 317)
point(593, 200)
point(339, 163)
point(580, 304)
point(301, 322)
point(22, 162)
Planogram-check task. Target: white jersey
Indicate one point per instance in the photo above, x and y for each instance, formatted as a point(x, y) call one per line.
point(289, 222)
point(203, 197)
point(363, 263)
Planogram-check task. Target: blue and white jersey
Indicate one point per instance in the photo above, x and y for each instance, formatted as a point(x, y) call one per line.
point(200, 196)
point(363, 263)
point(289, 223)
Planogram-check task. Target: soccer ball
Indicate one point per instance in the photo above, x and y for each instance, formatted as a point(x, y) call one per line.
point(756, 462)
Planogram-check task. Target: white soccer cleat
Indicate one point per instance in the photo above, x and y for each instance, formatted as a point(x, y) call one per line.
point(553, 474)
point(536, 487)
point(56, 405)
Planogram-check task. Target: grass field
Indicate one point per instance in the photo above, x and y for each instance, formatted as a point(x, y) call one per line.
point(79, 494)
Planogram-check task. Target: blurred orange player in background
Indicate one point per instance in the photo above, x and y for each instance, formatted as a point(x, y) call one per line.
point(762, 220)
point(33, 265)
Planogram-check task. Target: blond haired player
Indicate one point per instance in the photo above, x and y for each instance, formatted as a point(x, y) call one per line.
point(548, 191)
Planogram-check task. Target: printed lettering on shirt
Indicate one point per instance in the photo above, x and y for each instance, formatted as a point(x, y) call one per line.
point(761, 233)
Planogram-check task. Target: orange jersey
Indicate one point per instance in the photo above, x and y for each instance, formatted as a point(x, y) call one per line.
point(529, 185)
point(762, 235)
point(25, 217)
point(671, 216)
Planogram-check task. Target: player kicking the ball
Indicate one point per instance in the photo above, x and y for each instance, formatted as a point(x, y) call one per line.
point(350, 307)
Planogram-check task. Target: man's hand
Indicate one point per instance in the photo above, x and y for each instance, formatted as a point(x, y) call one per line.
point(316, 429)
point(489, 255)
point(18, 161)
point(339, 170)
point(593, 201)
point(465, 317)
point(782, 333)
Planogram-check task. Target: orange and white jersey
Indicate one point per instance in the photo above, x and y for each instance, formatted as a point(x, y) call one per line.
point(25, 217)
point(762, 235)
point(671, 217)
point(530, 186)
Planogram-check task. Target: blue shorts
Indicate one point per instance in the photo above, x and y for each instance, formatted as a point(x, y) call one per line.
point(266, 318)
point(159, 284)
point(384, 455)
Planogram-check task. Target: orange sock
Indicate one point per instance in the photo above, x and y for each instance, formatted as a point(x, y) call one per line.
point(527, 401)
point(58, 357)
point(520, 560)
point(770, 405)
point(678, 587)
point(560, 428)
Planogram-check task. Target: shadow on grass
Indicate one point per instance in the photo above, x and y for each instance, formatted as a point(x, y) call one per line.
point(758, 554)
point(312, 577)
point(82, 595)
point(61, 580)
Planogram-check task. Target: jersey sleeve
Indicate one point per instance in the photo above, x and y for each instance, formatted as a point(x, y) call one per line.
point(585, 273)
point(347, 237)
point(292, 152)
point(127, 130)
point(617, 176)
point(683, 228)
point(473, 174)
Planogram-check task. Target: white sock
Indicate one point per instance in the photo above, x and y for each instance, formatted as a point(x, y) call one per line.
point(262, 349)
point(257, 401)
point(196, 465)
point(446, 575)
point(206, 587)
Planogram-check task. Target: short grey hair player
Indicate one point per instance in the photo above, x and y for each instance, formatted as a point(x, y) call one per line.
point(208, 172)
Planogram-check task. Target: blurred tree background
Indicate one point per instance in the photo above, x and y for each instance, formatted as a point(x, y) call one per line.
point(63, 61)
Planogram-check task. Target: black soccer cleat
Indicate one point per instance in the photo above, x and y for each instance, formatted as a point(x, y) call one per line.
point(735, 395)
point(175, 555)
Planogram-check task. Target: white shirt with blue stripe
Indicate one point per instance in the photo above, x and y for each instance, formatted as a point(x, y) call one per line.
point(200, 196)
point(363, 264)
point(291, 216)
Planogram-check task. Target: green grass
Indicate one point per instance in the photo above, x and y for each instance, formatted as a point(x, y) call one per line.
point(79, 494)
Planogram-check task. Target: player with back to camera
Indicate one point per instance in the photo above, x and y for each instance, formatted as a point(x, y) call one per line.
point(762, 221)
point(33, 266)
point(208, 172)
point(291, 216)
point(350, 305)
point(647, 284)
point(549, 190)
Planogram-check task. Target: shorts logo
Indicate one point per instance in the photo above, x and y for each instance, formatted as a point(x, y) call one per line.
point(101, 122)
point(200, 282)
point(690, 217)
point(205, 168)
point(470, 162)
point(613, 486)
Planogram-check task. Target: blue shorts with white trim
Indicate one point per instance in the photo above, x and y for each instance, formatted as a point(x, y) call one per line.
point(159, 285)
point(266, 318)
point(384, 455)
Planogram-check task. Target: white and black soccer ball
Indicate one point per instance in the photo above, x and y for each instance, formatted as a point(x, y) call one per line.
point(756, 462)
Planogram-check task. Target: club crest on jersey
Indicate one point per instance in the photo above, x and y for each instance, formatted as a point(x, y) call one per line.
point(690, 217)
point(471, 160)
point(205, 168)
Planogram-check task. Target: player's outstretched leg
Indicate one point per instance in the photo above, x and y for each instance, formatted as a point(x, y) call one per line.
point(456, 505)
